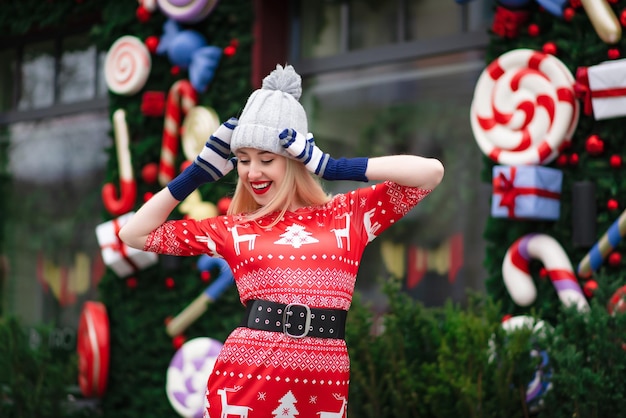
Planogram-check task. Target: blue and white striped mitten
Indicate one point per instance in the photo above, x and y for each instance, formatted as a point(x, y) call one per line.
point(213, 163)
point(304, 149)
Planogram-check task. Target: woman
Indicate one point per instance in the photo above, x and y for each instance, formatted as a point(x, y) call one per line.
point(294, 251)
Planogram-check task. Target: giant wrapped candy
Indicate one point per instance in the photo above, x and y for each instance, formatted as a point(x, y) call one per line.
point(526, 192)
point(122, 259)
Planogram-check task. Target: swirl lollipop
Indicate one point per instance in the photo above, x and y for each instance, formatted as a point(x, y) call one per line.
point(127, 66)
point(524, 108)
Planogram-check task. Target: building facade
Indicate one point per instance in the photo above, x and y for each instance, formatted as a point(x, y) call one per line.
point(378, 78)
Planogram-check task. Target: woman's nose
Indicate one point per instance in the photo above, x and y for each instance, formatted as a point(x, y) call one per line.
point(254, 171)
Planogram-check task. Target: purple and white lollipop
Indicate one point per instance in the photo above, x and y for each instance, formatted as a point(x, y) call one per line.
point(188, 373)
point(186, 11)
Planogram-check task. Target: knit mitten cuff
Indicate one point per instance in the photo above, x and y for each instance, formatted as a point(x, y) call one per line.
point(346, 169)
point(189, 180)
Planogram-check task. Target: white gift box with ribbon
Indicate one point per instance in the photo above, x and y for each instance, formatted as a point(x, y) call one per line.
point(122, 259)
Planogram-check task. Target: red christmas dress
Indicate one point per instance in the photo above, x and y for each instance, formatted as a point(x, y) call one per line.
point(311, 256)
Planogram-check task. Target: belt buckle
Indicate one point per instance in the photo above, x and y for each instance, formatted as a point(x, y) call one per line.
point(288, 312)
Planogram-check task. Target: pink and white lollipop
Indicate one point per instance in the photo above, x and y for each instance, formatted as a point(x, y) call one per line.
point(188, 373)
point(186, 11)
point(519, 282)
point(127, 66)
point(524, 108)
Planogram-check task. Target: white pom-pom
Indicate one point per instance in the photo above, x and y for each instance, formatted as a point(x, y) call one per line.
point(285, 80)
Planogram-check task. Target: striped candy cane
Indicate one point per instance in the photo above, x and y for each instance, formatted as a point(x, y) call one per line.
point(181, 98)
point(120, 204)
point(601, 249)
point(516, 271)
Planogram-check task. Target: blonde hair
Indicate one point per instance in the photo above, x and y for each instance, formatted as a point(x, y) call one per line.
point(298, 186)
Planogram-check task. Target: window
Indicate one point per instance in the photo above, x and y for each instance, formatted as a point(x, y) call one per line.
point(332, 27)
point(55, 126)
point(398, 77)
point(50, 77)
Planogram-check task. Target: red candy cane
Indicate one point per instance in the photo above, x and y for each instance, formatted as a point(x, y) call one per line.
point(128, 188)
point(180, 99)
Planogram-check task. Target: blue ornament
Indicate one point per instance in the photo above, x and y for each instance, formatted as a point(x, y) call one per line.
point(179, 45)
point(223, 281)
point(203, 65)
point(554, 7)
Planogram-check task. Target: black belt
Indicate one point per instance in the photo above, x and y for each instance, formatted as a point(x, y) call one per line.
point(295, 320)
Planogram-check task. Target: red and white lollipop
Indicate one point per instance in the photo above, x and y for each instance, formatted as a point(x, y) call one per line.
point(524, 108)
point(93, 347)
point(127, 66)
point(188, 373)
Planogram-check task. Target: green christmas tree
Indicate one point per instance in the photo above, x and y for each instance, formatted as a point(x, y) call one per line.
point(139, 305)
point(558, 62)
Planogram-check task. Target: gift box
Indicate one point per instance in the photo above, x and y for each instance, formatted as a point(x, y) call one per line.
point(122, 259)
point(507, 23)
point(526, 192)
point(602, 89)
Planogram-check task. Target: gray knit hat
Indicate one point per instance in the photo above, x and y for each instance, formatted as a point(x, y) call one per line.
point(269, 110)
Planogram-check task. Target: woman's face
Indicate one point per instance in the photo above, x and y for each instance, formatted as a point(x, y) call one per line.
point(261, 173)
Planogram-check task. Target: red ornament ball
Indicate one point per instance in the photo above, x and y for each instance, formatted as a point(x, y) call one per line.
point(613, 53)
point(575, 3)
point(549, 48)
point(223, 204)
point(562, 160)
point(543, 272)
point(617, 302)
point(205, 275)
point(152, 43)
point(612, 204)
point(230, 50)
point(143, 14)
point(132, 283)
point(615, 161)
point(615, 259)
point(178, 341)
point(506, 317)
point(574, 159)
point(170, 283)
point(590, 288)
point(147, 196)
point(150, 173)
point(175, 70)
point(622, 17)
point(594, 145)
point(613, 1)
point(568, 14)
point(533, 29)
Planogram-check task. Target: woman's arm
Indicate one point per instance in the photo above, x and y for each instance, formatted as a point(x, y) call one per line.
point(148, 218)
point(407, 170)
point(213, 163)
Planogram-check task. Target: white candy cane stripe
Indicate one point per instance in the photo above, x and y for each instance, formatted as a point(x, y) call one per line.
point(181, 98)
point(524, 108)
point(516, 271)
point(186, 11)
point(127, 66)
